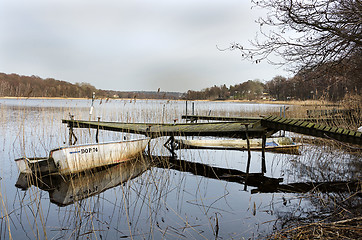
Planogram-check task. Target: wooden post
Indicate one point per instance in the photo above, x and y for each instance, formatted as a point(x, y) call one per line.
point(284, 111)
point(263, 165)
point(71, 131)
point(193, 108)
point(149, 148)
point(172, 143)
point(249, 157)
point(186, 111)
point(99, 118)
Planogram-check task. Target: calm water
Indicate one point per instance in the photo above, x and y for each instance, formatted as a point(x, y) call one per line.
point(159, 200)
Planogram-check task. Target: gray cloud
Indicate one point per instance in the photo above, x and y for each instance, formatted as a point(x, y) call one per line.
point(129, 45)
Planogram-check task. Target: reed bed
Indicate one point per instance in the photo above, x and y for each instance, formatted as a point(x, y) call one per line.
point(335, 215)
point(157, 201)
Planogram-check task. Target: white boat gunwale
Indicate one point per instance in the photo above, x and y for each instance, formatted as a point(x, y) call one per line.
point(95, 144)
point(29, 165)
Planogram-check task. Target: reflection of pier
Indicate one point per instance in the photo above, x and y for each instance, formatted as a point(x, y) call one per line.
point(258, 180)
point(65, 190)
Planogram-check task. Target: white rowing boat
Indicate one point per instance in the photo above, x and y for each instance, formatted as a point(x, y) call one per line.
point(72, 159)
point(279, 144)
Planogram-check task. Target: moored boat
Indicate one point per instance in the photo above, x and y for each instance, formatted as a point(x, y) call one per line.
point(72, 159)
point(278, 144)
point(29, 165)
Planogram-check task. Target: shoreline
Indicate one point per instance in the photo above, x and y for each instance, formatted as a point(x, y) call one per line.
point(292, 102)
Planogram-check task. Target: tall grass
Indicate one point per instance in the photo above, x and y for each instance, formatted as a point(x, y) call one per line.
point(332, 215)
point(160, 202)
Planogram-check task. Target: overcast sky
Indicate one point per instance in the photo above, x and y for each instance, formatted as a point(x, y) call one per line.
point(131, 44)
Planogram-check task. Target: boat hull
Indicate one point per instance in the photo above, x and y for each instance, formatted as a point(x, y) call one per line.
point(30, 165)
point(83, 157)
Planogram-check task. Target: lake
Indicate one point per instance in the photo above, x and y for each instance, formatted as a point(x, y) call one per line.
point(153, 197)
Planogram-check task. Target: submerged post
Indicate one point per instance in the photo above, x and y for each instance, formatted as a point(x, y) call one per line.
point(249, 156)
point(263, 143)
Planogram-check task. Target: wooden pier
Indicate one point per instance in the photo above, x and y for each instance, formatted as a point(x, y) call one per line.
point(195, 118)
point(306, 126)
point(312, 129)
point(254, 127)
point(153, 130)
point(244, 128)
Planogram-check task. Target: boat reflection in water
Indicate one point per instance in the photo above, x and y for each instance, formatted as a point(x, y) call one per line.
point(65, 190)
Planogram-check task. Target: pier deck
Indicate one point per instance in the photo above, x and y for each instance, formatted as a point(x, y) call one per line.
point(234, 127)
point(312, 129)
point(195, 118)
point(220, 129)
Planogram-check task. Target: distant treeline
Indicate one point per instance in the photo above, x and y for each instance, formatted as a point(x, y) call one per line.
point(332, 81)
point(14, 85)
point(251, 90)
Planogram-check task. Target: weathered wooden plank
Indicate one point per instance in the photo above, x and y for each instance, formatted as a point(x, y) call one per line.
point(322, 127)
point(333, 129)
point(298, 123)
point(345, 131)
point(340, 131)
point(304, 124)
point(271, 118)
point(293, 122)
point(288, 121)
point(352, 133)
point(220, 118)
point(283, 120)
point(326, 129)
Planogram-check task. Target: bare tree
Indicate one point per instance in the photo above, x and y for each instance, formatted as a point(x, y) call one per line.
point(307, 33)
